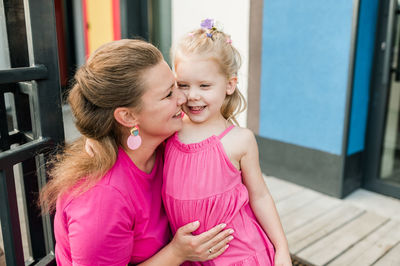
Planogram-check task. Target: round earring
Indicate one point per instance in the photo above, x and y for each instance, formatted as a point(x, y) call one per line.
point(134, 140)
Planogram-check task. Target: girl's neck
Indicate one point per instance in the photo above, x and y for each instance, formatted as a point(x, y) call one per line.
point(195, 132)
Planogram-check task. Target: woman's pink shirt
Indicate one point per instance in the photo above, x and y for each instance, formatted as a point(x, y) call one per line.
point(120, 220)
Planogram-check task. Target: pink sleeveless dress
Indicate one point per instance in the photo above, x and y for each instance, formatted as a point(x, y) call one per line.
point(201, 183)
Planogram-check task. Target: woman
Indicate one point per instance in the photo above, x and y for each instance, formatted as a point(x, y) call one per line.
point(108, 207)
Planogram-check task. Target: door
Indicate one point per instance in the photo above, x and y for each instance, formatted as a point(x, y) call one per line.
point(382, 168)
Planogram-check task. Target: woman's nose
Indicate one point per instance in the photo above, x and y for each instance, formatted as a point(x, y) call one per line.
point(181, 97)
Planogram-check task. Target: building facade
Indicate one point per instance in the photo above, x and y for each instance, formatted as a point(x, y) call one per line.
point(320, 77)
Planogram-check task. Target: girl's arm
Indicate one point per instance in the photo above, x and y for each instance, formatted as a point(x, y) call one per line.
point(187, 247)
point(261, 200)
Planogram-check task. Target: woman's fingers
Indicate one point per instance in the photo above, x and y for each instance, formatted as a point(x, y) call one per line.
point(189, 228)
point(202, 247)
point(217, 249)
point(216, 237)
point(212, 233)
point(216, 252)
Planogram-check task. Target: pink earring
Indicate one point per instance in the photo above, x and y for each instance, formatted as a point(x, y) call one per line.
point(134, 140)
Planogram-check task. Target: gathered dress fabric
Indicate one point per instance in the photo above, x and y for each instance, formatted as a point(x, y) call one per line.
point(201, 183)
point(119, 220)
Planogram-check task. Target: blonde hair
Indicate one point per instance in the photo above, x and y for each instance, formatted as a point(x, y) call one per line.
point(217, 45)
point(112, 77)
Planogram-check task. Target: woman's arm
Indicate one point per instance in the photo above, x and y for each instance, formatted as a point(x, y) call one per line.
point(187, 247)
point(261, 200)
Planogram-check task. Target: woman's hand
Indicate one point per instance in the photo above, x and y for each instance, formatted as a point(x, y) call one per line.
point(90, 147)
point(205, 246)
point(282, 258)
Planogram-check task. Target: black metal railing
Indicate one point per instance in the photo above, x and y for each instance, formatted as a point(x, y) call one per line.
point(30, 126)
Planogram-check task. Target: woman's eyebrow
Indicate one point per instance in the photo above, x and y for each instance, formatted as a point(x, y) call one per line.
point(170, 87)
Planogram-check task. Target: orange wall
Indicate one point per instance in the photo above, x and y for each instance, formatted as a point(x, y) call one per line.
point(102, 22)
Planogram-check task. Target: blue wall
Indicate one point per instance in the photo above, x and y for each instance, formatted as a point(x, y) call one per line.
point(304, 72)
point(362, 74)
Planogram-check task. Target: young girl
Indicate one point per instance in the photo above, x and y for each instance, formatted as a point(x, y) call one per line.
point(211, 169)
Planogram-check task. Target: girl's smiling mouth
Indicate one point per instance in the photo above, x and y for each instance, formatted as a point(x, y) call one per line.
point(196, 109)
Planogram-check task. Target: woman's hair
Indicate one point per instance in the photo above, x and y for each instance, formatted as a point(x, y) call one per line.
point(216, 45)
point(112, 77)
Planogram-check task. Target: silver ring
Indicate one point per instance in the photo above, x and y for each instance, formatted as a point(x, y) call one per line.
point(210, 250)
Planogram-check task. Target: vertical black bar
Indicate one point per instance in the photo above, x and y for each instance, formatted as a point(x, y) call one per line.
point(16, 32)
point(34, 218)
point(4, 144)
point(45, 104)
point(9, 219)
point(134, 19)
point(43, 50)
point(17, 43)
point(70, 37)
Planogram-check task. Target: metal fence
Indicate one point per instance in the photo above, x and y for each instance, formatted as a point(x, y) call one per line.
point(30, 126)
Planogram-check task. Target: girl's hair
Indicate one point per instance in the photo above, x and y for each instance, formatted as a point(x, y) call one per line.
point(216, 45)
point(112, 77)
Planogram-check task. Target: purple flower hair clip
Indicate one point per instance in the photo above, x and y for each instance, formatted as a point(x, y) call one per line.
point(207, 23)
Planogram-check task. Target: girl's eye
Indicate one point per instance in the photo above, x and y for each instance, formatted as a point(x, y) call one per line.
point(204, 85)
point(182, 86)
point(169, 94)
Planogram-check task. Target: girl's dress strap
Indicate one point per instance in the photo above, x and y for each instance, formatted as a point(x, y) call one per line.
point(226, 131)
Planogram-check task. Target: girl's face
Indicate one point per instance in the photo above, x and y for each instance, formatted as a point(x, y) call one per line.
point(204, 86)
point(161, 113)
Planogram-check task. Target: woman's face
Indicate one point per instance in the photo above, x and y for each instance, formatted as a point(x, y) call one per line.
point(161, 113)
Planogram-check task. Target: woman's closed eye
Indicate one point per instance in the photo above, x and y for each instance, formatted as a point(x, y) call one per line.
point(169, 94)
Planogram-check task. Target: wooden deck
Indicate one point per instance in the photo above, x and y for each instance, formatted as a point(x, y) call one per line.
point(363, 229)
point(323, 230)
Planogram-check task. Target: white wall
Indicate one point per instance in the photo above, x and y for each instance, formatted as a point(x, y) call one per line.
point(233, 15)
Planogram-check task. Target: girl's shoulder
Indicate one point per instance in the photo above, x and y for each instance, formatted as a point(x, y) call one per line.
point(238, 141)
point(241, 134)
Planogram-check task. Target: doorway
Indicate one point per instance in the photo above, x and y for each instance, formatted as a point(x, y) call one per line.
point(382, 168)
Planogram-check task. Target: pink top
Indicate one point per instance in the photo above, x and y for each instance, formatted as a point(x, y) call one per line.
point(119, 220)
point(201, 183)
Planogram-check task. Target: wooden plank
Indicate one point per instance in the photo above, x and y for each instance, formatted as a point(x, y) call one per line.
point(280, 189)
point(321, 226)
point(378, 203)
point(392, 258)
point(295, 201)
point(374, 246)
point(328, 248)
point(307, 213)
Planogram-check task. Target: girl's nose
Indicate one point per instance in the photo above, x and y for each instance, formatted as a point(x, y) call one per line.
point(192, 94)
